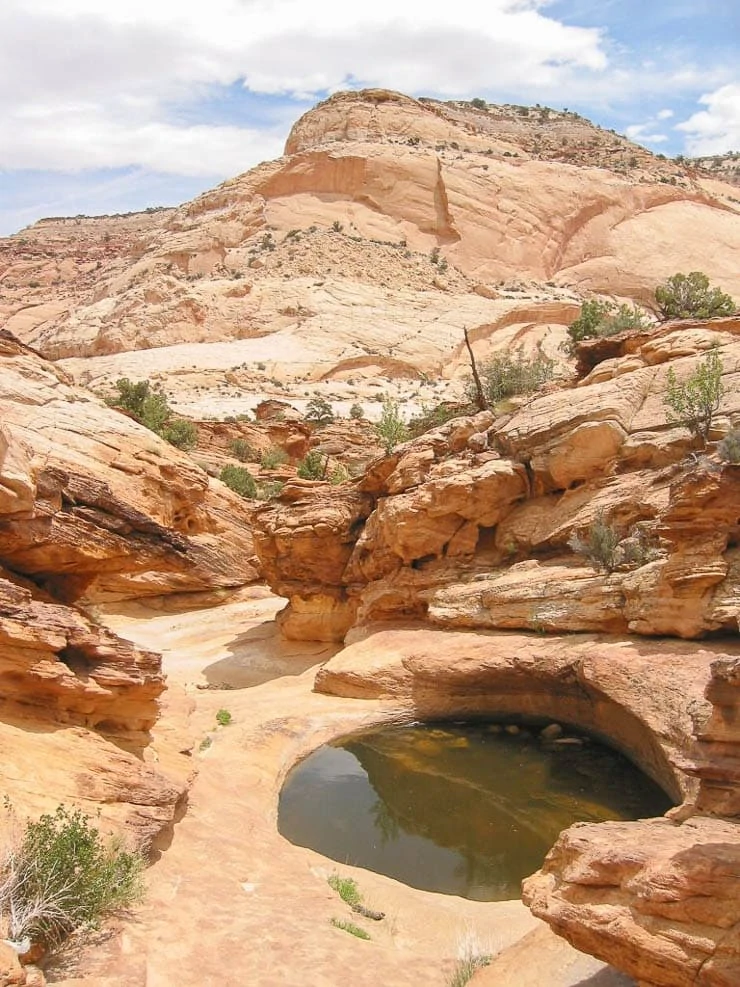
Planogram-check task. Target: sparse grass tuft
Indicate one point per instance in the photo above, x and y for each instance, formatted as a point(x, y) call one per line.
point(354, 930)
point(346, 888)
point(224, 718)
point(465, 968)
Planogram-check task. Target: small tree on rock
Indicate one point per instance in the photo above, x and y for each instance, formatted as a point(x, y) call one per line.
point(319, 411)
point(689, 296)
point(694, 402)
point(391, 428)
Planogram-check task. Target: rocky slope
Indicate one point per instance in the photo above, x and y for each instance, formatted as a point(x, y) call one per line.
point(470, 526)
point(94, 507)
point(469, 529)
point(390, 224)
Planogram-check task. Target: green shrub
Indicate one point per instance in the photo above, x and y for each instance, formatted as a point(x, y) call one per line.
point(272, 458)
point(478, 103)
point(313, 466)
point(148, 405)
point(465, 968)
point(340, 474)
point(61, 875)
point(391, 428)
point(224, 718)
point(180, 433)
point(729, 448)
point(241, 449)
point(433, 417)
point(599, 546)
point(688, 296)
point(356, 412)
point(505, 376)
point(319, 411)
point(240, 480)
point(602, 318)
point(694, 402)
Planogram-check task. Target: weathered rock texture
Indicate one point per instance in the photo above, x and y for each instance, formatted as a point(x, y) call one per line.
point(661, 898)
point(93, 506)
point(469, 526)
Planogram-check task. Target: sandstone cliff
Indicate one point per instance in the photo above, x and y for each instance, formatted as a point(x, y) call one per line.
point(94, 507)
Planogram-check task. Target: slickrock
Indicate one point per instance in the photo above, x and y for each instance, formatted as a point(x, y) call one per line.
point(660, 899)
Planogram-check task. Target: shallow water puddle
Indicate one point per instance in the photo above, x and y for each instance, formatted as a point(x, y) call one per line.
point(461, 809)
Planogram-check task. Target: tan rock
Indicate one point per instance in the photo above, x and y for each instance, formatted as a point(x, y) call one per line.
point(660, 899)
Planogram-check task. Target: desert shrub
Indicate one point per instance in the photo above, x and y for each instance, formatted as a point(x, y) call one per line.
point(599, 545)
point(346, 888)
point(240, 480)
point(603, 318)
point(313, 466)
point(478, 103)
point(319, 410)
point(241, 449)
point(269, 489)
point(180, 433)
point(729, 448)
point(689, 296)
point(224, 718)
point(356, 411)
point(694, 402)
point(438, 414)
point(391, 428)
point(60, 874)
point(351, 927)
point(340, 474)
point(505, 375)
point(149, 406)
point(273, 457)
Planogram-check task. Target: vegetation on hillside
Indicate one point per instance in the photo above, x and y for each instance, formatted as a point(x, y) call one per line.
point(690, 296)
point(604, 318)
point(694, 402)
point(506, 375)
point(148, 405)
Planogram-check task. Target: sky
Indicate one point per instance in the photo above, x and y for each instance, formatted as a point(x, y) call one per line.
point(116, 105)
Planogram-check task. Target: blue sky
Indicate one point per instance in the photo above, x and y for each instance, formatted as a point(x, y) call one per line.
point(109, 107)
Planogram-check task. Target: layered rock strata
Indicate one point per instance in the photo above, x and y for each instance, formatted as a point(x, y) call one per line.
point(472, 525)
point(660, 899)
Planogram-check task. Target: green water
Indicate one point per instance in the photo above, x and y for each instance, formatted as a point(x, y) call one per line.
point(461, 809)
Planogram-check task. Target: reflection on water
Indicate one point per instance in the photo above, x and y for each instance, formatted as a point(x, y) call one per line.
point(466, 810)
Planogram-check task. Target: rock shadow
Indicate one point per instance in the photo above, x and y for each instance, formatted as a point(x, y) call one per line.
point(262, 654)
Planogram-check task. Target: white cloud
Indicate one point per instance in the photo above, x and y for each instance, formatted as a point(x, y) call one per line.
point(638, 132)
point(665, 114)
point(91, 84)
point(87, 84)
point(716, 129)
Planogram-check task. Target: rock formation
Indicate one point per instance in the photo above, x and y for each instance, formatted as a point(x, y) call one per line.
point(660, 898)
point(471, 525)
point(94, 507)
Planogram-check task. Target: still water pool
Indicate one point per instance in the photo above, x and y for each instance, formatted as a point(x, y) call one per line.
point(461, 809)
